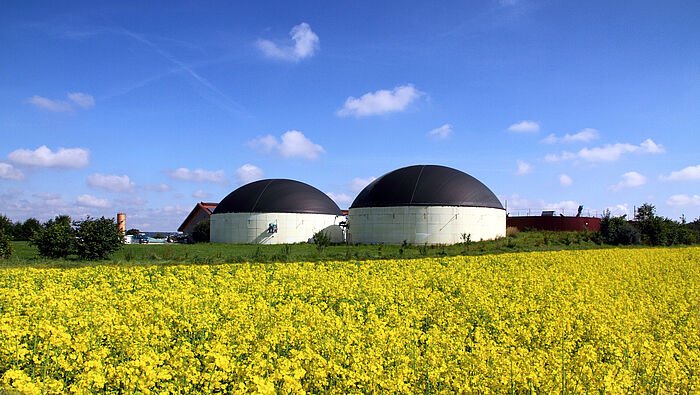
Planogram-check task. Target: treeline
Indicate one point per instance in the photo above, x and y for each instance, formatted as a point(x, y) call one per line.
point(91, 238)
point(648, 228)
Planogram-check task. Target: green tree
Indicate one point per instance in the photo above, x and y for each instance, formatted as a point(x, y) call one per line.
point(6, 226)
point(132, 232)
point(97, 238)
point(55, 241)
point(59, 219)
point(200, 232)
point(617, 231)
point(5, 246)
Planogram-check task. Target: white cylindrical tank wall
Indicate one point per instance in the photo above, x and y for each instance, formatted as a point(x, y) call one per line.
point(252, 228)
point(424, 224)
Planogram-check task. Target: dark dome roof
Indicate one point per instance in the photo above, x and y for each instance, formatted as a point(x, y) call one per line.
point(426, 185)
point(277, 196)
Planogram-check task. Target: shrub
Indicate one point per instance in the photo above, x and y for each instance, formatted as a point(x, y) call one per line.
point(133, 232)
point(5, 246)
point(512, 231)
point(56, 241)
point(617, 231)
point(97, 238)
point(322, 240)
point(200, 232)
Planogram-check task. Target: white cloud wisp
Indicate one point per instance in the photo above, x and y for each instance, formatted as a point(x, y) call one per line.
point(9, 172)
point(525, 127)
point(249, 173)
point(442, 132)
point(111, 182)
point(523, 168)
point(608, 152)
point(292, 144)
point(43, 157)
point(197, 175)
point(584, 136)
point(306, 42)
point(380, 102)
point(629, 180)
point(690, 173)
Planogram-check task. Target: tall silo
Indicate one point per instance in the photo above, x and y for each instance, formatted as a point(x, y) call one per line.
point(425, 204)
point(275, 211)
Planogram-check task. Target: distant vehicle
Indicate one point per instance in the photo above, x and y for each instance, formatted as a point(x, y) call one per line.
point(143, 239)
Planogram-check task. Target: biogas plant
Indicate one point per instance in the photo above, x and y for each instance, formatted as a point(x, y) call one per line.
point(423, 204)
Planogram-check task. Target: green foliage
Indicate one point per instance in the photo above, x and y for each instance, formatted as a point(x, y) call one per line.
point(200, 232)
point(321, 240)
point(6, 226)
point(25, 231)
point(55, 241)
point(159, 236)
point(59, 219)
point(5, 246)
point(617, 231)
point(661, 231)
point(132, 232)
point(97, 238)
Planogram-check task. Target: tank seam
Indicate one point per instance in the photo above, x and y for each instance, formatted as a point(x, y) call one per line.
point(259, 196)
point(416, 186)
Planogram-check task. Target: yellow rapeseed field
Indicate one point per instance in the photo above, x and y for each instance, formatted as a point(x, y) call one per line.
point(616, 321)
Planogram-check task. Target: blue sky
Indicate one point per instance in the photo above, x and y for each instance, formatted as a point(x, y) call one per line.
point(150, 107)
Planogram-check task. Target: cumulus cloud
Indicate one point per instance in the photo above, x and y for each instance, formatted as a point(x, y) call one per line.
point(92, 201)
point(292, 144)
point(357, 184)
point(132, 201)
point(44, 157)
point(51, 199)
point(197, 175)
point(249, 173)
point(79, 99)
point(565, 180)
point(306, 42)
point(684, 200)
point(442, 132)
point(111, 182)
point(629, 180)
point(524, 127)
point(380, 102)
point(200, 194)
point(157, 187)
point(690, 173)
point(82, 100)
point(523, 168)
point(619, 210)
point(9, 172)
point(608, 152)
point(584, 136)
point(341, 199)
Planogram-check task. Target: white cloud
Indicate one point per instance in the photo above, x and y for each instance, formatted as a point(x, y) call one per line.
point(50, 105)
point(200, 194)
point(92, 201)
point(650, 147)
point(44, 157)
point(198, 175)
point(565, 180)
point(249, 173)
point(132, 201)
point(9, 172)
point(525, 127)
point(341, 199)
point(79, 99)
point(380, 102)
point(620, 210)
point(306, 42)
point(47, 196)
point(357, 184)
point(524, 206)
point(442, 132)
point(111, 182)
point(293, 144)
point(584, 136)
point(157, 187)
point(82, 100)
point(684, 200)
point(524, 168)
point(608, 152)
point(629, 180)
point(690, 173)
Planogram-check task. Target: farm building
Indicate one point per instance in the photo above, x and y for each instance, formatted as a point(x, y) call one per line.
point(425, 204)
point(275, 211)
point(201, 212)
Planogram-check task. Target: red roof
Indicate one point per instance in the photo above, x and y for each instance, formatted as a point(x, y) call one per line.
point(207, 207)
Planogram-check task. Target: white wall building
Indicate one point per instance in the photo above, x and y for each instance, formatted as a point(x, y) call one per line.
point(275, 211)
point(425, 204)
